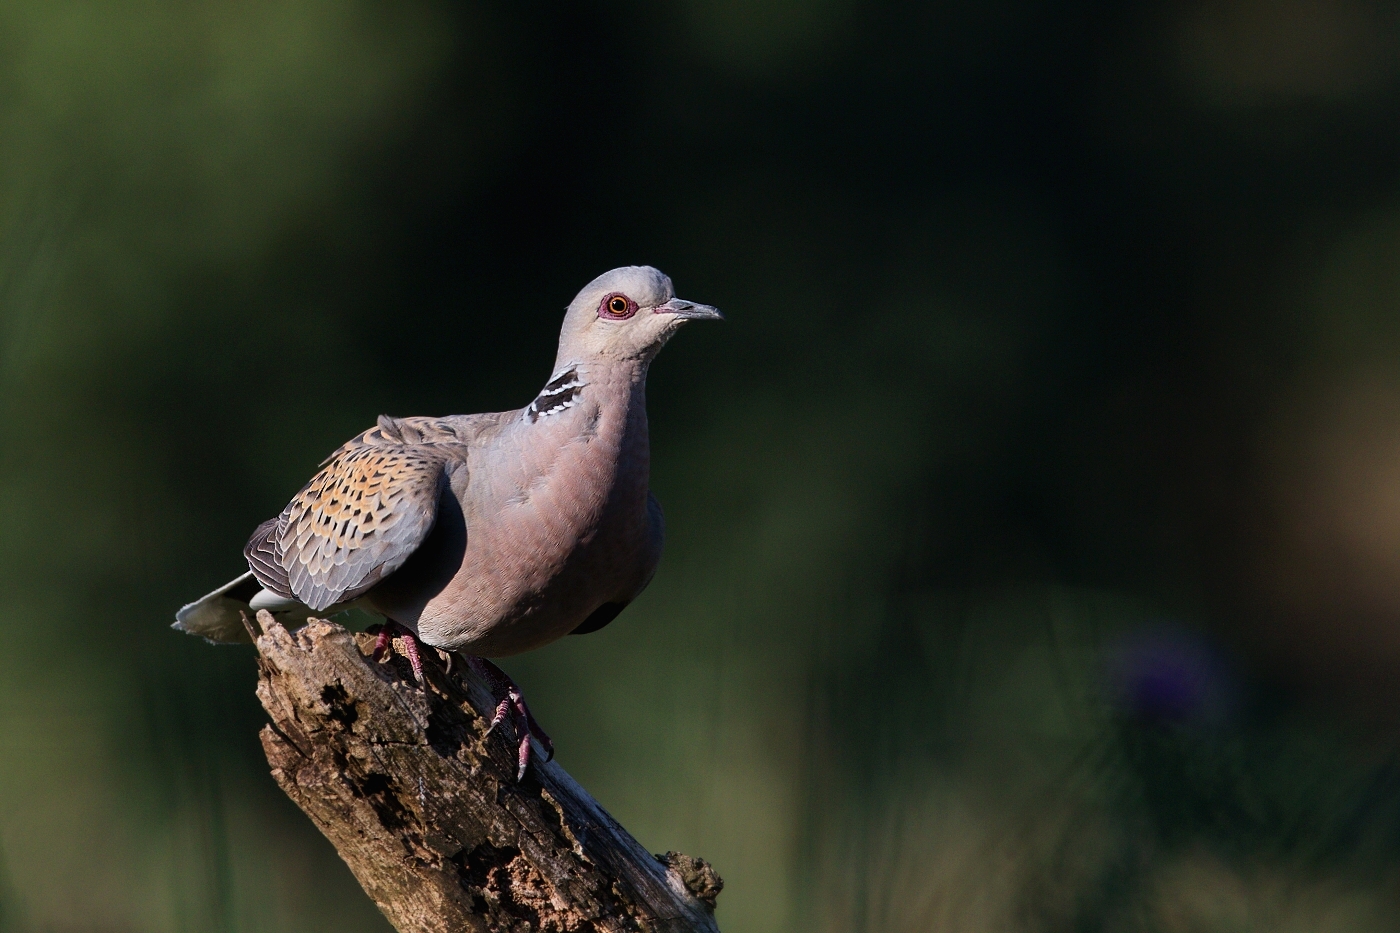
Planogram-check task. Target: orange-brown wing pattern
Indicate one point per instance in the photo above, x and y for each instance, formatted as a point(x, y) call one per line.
point(357, 521)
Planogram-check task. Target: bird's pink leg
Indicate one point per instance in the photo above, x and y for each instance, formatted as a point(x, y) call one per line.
point(510, 703)
point(384, 647)
point(383, 644)
point(410, 650)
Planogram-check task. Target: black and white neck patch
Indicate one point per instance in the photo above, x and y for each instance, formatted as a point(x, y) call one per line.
point(558, 394)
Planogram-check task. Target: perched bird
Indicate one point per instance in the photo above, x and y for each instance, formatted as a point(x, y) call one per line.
point(486, 534)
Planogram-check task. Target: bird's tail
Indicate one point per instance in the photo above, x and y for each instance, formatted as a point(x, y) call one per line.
point(218, 616)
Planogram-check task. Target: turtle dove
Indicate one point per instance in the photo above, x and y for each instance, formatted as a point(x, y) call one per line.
point(486, 534)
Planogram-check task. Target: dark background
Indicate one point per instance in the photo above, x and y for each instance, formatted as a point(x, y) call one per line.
point(1034, 519)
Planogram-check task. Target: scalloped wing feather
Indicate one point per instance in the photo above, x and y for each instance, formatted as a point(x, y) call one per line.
point(264, 560)
point(367, 510)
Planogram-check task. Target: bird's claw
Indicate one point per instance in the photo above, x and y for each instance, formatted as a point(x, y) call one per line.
point(502, 711)
point(510, 705)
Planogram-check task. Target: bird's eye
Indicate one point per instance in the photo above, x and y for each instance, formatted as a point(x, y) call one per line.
point(617, 307)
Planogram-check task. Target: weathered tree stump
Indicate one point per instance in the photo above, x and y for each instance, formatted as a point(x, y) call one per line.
point(423, 805)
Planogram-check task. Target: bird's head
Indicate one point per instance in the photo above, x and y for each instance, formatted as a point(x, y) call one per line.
point(626, 314)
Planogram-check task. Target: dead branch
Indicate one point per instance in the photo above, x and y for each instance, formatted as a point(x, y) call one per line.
point(423, 805)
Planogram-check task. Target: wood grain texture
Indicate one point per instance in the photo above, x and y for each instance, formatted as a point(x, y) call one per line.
point(421, 802)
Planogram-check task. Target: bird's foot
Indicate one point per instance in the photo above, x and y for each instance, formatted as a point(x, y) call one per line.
point(384, 647)
point(510, 704)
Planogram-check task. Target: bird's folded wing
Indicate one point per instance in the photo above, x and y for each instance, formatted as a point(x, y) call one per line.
point(265, 561)
point(360, 517)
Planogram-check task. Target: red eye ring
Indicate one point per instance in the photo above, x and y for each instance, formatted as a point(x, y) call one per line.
point(617, 307)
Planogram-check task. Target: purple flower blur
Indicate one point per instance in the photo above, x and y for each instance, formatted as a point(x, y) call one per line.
point(1167, 674)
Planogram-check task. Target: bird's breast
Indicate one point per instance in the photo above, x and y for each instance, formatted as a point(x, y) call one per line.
point(557, 524)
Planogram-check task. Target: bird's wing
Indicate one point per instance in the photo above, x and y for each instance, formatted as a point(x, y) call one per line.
point(357, 521)
point(265, 561)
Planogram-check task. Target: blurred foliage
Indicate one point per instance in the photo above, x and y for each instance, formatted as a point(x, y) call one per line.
point(1034, 519)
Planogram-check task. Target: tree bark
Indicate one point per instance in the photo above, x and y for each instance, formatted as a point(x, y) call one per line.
point(423, 804)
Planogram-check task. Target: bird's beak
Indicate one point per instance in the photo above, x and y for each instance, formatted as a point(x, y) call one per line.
point(689, 310)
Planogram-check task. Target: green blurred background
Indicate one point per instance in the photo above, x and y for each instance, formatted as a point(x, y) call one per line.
point(1034, 520)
